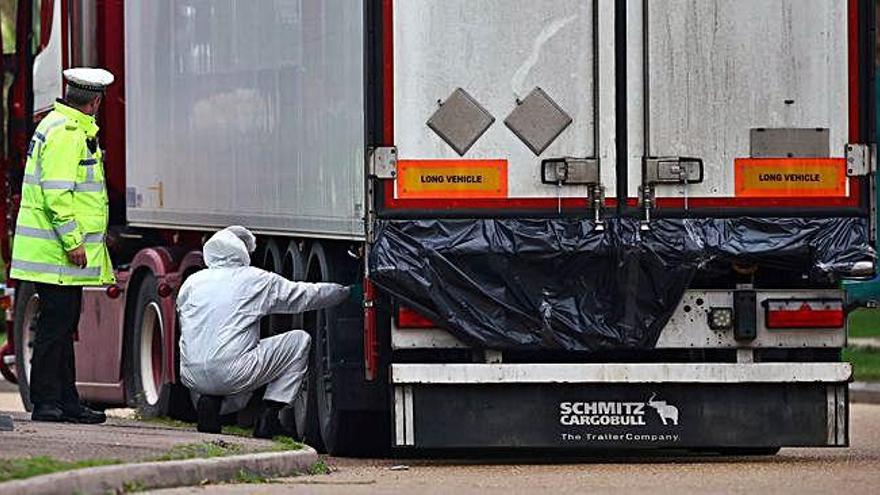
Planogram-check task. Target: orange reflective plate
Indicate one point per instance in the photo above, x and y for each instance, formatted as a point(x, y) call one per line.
point(787, 177)
point(439, 179)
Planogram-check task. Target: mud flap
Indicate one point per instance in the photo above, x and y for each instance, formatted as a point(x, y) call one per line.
point(621, 415)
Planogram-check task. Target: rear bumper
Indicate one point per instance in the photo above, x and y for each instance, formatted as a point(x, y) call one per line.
point(688, 328)
point(633, 406)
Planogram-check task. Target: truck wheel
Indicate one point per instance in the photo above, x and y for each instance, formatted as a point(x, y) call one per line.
point(330, 420)
point(295, 417)
point(293, 268)
point(27, 310)
point(339, 429)
point(272, 261)
point(147, 387)
point(305, 407)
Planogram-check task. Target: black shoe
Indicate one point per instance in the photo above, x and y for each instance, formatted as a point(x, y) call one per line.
point(208, 410)
point(47, 412)
point(287, 417)
point(84, 415)
point(268, 425)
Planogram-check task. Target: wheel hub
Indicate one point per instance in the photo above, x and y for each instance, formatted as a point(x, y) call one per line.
point(150, 358)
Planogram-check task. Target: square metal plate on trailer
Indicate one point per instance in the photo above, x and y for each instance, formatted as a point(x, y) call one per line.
point(460, 121)
point(538, 121)
point(789, 143)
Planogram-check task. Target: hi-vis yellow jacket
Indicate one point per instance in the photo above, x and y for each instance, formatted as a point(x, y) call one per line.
point(63, 204)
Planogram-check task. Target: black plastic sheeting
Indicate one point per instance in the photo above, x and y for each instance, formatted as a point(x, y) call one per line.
point(530, 284)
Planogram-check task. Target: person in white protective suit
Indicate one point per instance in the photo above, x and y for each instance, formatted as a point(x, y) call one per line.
point(222, 358)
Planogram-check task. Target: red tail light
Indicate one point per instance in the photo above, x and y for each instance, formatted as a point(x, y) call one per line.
point(824, 313)
point(408, 318)
point(114, 291)
point(164, 290)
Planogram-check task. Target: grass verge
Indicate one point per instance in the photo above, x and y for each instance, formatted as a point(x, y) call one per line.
point(319, 467)
point(282, 443)
point(250, 478)
point(201, 450)
point(864, 323)
point(866, 363)
point(286, 443)
point(237, 431)
point(16, 469)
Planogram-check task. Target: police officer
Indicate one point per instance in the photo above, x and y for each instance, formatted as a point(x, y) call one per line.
point(59, 239)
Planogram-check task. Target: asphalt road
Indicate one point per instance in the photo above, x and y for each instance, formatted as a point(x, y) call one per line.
point(850, 471)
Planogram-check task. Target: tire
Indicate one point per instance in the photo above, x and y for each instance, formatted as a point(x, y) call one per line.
point(330, 418)
point(7, 372)
point(27, 309)
point(293, 268)
point(302, 416)
point(341, 431)
point(146, 385)
point(272, 261)
point(305, 408)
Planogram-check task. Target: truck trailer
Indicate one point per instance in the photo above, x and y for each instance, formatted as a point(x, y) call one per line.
point(579, 224)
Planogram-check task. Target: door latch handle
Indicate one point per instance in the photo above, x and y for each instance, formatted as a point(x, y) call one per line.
point(570, 171)
point(673, 170)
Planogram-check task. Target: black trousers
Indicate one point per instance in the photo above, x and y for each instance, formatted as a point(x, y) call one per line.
point(53, 366)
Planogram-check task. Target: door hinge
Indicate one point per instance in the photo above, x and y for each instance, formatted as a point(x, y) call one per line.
point(597, 198)
point(383, 162)
point(646, 201)
point(370, 214)
point(861, 159)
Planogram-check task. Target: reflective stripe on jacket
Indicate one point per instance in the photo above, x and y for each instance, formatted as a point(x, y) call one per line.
point(63, 204)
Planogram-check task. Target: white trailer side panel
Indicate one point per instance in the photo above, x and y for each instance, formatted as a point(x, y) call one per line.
point(248, 112)
point(47, 67)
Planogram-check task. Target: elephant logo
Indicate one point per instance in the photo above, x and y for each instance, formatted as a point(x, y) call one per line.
point(665, 411)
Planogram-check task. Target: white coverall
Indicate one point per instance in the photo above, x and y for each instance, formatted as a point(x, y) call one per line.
point(220, 309)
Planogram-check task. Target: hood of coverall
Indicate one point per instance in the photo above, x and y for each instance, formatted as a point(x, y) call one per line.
point(226, 250)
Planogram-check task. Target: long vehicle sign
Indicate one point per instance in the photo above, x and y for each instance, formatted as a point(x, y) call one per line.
point(437, 179)
point(800, 177)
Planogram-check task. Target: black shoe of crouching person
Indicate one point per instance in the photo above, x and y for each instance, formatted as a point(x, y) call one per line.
point(208, 409)
point(83, 415)
point(268, 424)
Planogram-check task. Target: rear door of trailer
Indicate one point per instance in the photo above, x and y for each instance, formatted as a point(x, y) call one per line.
point(765, 93)
point(487, 91)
